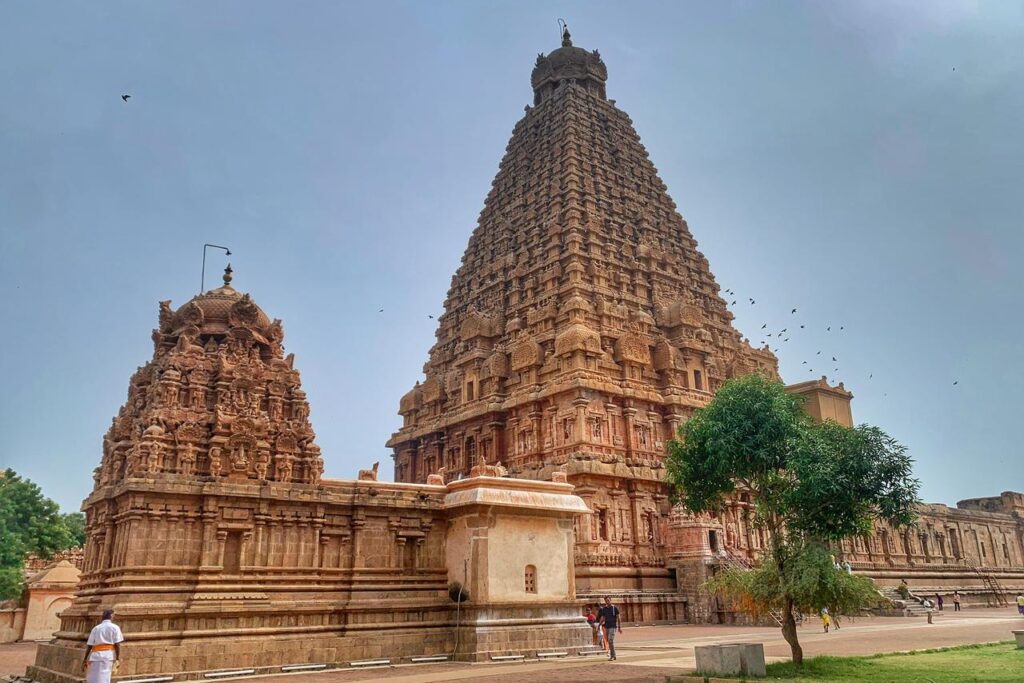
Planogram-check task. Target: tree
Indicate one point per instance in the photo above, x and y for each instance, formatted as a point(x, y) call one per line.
point(30, 523)
point(811, 484)
point(75, 523)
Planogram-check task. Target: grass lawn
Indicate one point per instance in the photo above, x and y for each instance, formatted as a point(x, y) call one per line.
point(1000, 663)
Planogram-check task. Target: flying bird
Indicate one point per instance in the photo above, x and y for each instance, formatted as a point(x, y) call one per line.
point(752, 302)
point(784, 329)
point(818, 353)
point(126, 97)
point(956, 382)
point(801, 327)
point(804, 363)
point(833, 358)
point(764, 326)
point(793, 311)
point(381, 310)
point(430, 316)
point(786, 339)
point(828, 329)
point(733, 303)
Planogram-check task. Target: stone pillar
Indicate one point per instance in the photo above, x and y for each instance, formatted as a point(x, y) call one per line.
point(627, 439)
point(538, 434)
point(496, 428)
point(580, 404)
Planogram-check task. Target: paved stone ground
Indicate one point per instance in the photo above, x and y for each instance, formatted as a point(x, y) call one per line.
point(649, 653)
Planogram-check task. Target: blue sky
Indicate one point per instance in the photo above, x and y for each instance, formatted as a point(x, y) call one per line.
point(862, 162)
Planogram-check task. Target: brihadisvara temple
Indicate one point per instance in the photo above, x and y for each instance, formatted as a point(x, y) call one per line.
point(582, 328)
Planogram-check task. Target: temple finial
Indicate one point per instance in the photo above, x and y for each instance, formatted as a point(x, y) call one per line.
point(566, 38)
point(227, 276)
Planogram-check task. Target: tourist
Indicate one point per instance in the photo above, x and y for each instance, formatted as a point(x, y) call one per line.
point(1020, 604)
point(847, 566)
point(956, 601)
point(825, 618)
point(595, 628)
point(938, 601)
point(103, 650)
point(609, 618)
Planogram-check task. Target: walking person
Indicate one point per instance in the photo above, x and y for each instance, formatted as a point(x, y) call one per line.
point(609, 619)
point(938, 601)
point(956, 601)
point(595, 628)
point(103, 650)
point(826, 619)
point(1020, 604)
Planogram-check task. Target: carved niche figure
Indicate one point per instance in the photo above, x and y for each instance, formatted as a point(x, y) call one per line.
point(215, 463)
point(283, 467)
point(262, 464)
point(186, 459)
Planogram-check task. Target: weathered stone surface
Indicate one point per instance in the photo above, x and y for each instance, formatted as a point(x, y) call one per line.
point(214, 536)
point(583, 327)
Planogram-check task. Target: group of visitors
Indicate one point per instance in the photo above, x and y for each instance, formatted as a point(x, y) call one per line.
point(938, 603)
point(604, 624)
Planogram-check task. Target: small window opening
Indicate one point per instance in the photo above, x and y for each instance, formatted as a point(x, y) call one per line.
point(713, 541)
point(531, 579)
point(698, 382)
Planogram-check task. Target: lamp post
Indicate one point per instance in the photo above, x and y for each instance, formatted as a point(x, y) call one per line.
point(202, 281)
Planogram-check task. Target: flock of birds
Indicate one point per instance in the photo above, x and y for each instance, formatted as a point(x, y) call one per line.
point(783, 336)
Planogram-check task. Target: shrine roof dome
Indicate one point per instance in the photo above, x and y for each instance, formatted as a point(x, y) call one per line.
point(568, 63)
point(211, 311)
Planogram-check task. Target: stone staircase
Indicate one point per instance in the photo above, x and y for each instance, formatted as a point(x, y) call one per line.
point(911, 607)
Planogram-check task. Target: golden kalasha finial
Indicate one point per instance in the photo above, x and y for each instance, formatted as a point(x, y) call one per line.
point(227, 276)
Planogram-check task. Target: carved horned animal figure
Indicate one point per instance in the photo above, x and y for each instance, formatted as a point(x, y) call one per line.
point(370, 474)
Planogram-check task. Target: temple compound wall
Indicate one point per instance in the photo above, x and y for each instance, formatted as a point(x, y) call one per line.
point(976, 548)
point(213, 535)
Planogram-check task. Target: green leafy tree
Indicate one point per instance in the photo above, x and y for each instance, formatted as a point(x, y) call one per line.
point(29, 523)
point(75, 523)
point(811, 484)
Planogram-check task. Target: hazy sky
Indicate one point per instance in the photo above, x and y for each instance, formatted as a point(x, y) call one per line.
point(862, 162)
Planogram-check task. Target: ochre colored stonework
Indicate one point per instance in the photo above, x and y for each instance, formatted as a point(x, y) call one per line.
point(212, 533)
point(583, 328)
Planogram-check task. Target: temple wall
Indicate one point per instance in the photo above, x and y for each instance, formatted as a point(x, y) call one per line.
point(268, 575)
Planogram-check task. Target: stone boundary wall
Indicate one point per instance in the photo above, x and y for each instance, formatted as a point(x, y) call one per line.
point(214, 575)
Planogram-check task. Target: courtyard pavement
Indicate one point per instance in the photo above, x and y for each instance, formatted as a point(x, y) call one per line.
point(647, 654)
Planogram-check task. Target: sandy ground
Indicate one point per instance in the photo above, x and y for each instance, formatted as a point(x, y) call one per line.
point(649, 653)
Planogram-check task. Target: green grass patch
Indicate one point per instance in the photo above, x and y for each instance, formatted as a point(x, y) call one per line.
point(999, 663)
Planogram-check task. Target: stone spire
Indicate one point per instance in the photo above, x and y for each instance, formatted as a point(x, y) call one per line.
point(218, 399)
point(583, 326)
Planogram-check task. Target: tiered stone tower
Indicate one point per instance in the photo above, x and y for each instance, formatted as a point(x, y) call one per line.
point(218, 399)
point(582, 328)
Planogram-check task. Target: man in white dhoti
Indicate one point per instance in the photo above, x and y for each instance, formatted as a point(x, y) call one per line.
point(103, 650)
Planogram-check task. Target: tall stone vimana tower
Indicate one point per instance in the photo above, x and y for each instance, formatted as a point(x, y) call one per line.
point(581, 330)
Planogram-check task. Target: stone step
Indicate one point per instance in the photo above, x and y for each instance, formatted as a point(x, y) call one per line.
point(371, 662)
point(229, 674)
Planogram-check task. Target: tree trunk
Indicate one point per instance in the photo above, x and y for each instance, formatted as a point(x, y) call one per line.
point(789, 632)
